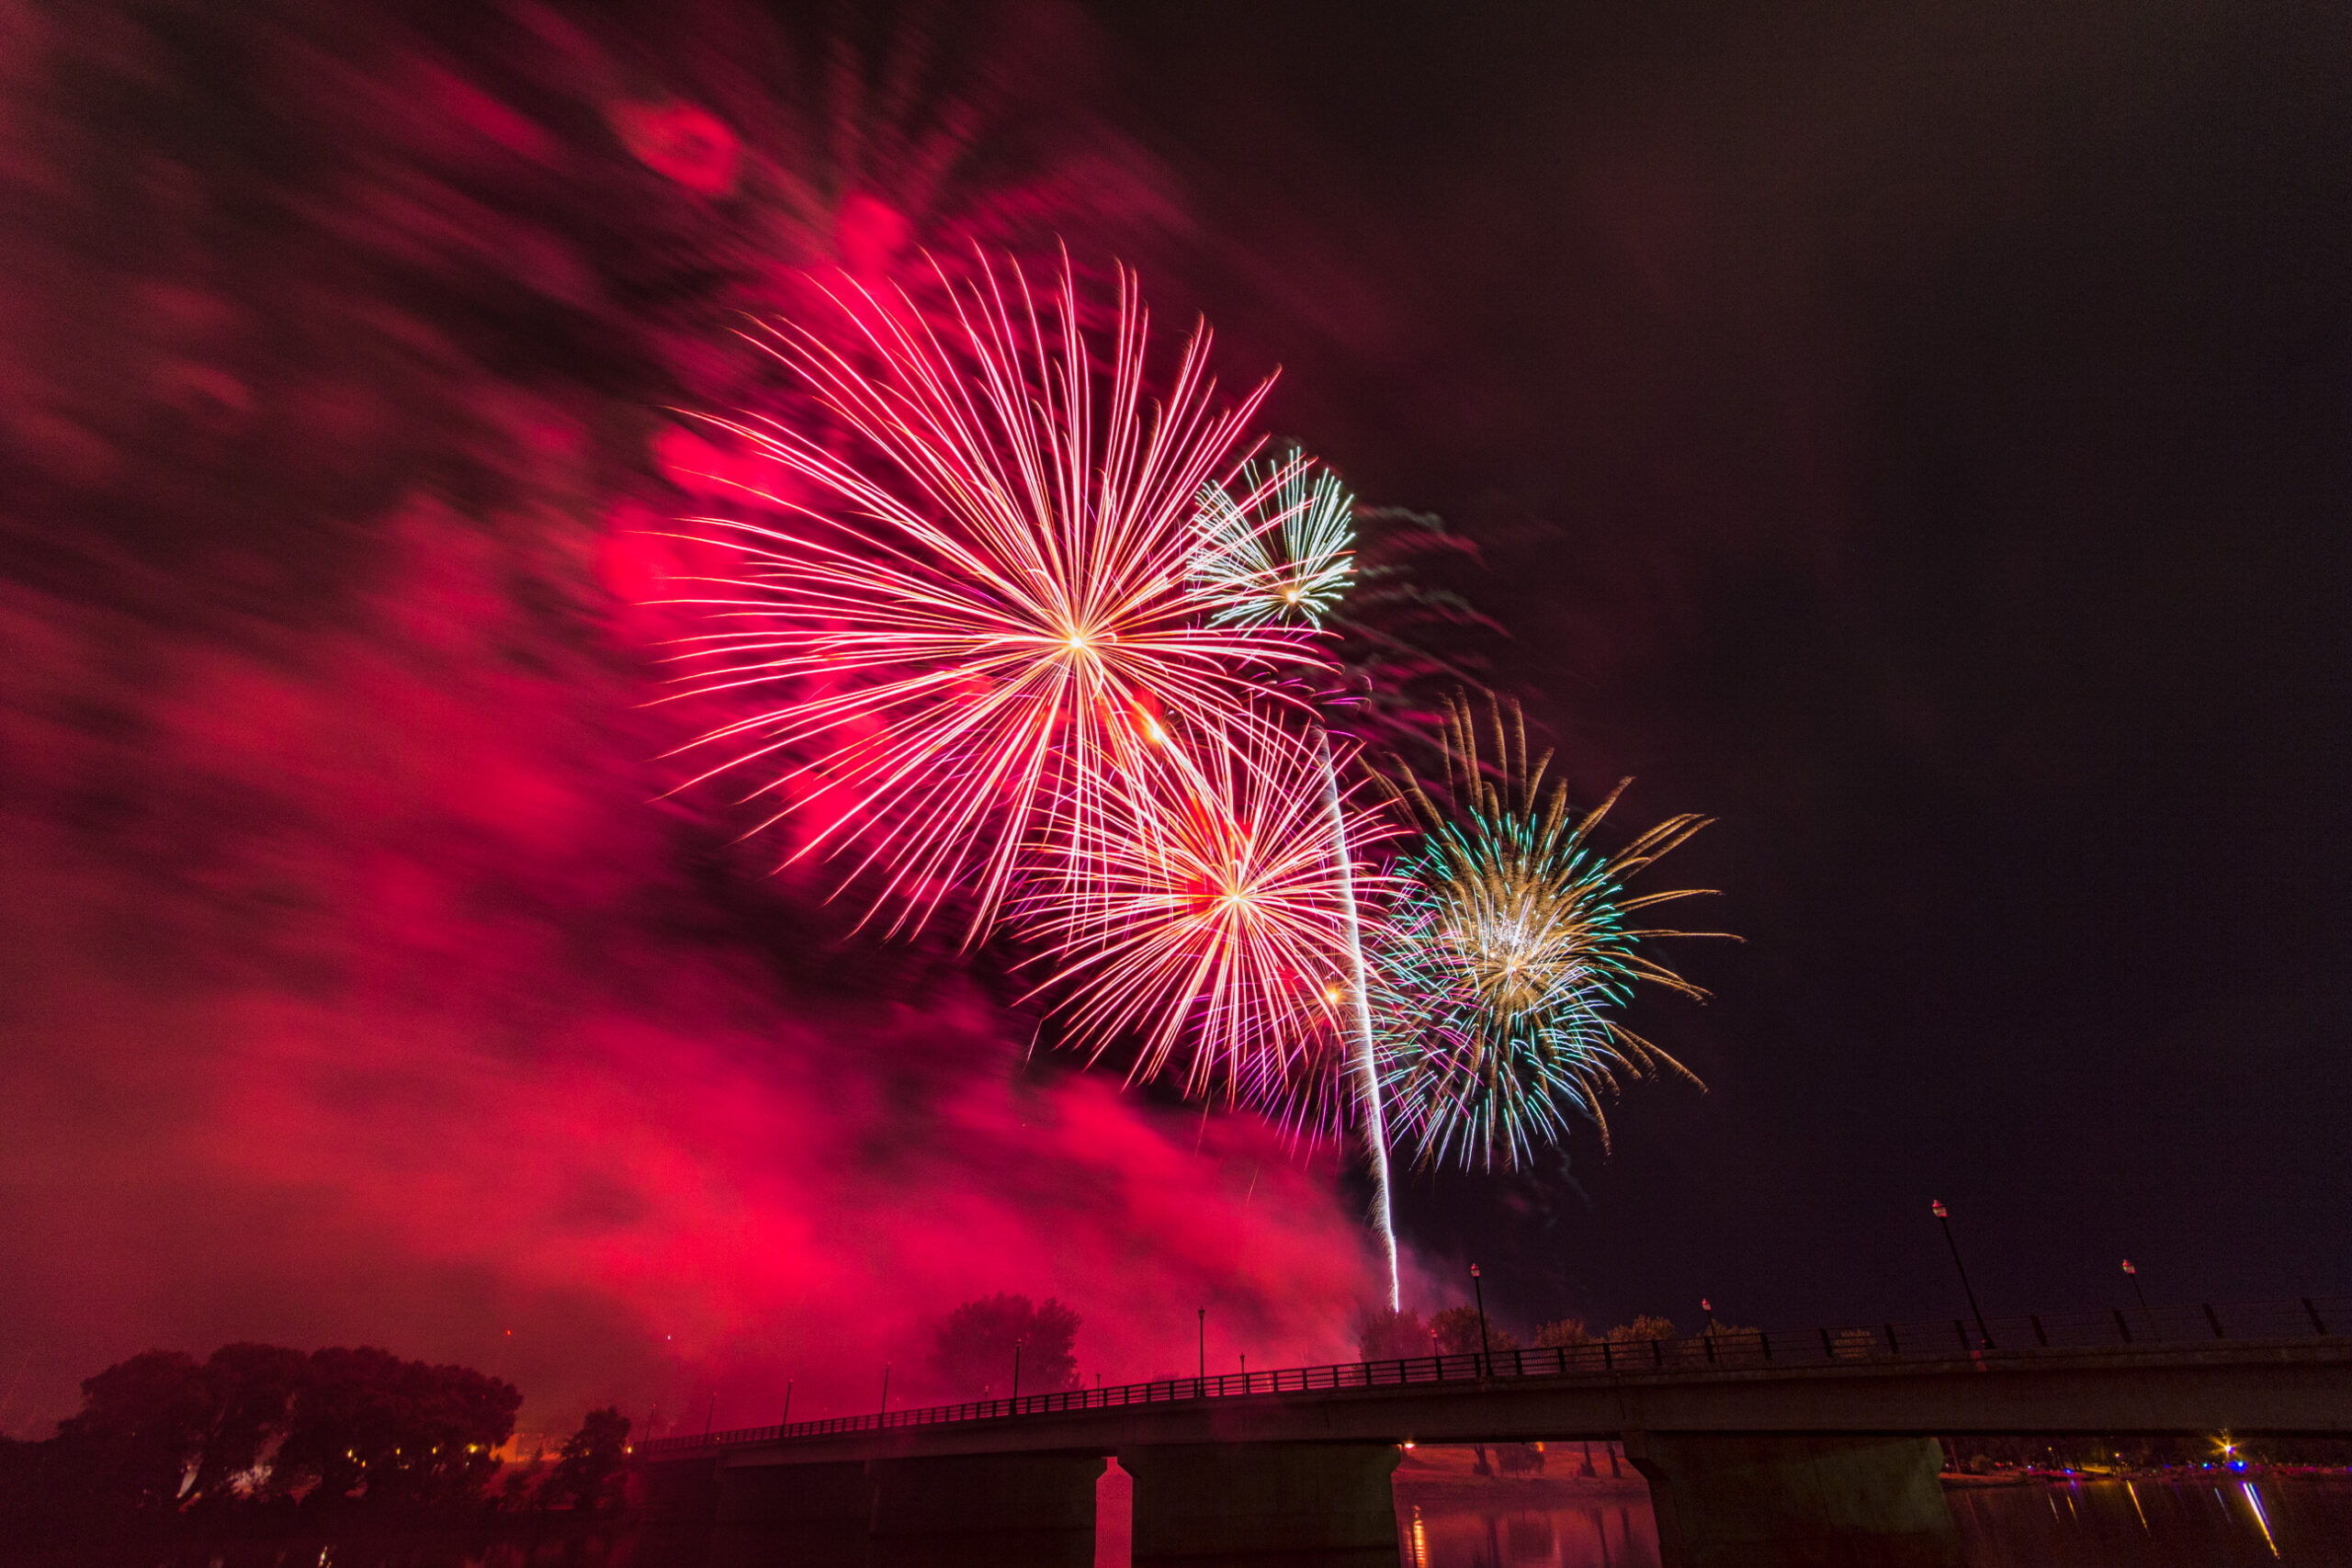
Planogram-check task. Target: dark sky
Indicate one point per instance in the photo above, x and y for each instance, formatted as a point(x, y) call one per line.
point(1915, 436)
point(1940, 415)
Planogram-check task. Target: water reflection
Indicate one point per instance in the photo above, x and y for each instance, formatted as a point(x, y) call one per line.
point(2234, 1522)
point(557, 1543)
point(1453, 1533)
point(2292, 1522)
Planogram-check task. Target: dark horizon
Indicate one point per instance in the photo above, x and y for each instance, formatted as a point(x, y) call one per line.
point(1916, 439)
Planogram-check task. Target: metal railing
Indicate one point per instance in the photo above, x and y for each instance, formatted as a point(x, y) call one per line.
point(1730, 1350)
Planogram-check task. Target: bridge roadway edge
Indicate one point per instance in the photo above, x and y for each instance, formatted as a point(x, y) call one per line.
point(2280, 1387)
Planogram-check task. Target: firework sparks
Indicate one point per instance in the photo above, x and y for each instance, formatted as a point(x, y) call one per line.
point(1508, 955)
point(1213, 939)
point(1284, 560)
point(989, 619)
point(1281, 555)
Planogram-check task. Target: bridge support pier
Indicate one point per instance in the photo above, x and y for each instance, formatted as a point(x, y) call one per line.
point(1263, 1505)
point(683, 1492)
point(1007, 1510)
point(773, 1516)
point(1728, 1500)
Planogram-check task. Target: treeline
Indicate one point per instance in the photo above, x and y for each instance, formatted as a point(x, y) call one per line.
point(261, 1429)
point(1384, 1336)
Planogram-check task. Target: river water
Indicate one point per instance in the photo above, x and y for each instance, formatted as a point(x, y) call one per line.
point(1457, 1520)
point(2219, 1522)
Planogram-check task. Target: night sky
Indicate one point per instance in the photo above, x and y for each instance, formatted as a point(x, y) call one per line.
point(1916, 436)
point(1923, 432)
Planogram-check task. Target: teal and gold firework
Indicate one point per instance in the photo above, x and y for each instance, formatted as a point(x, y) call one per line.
point(1509, 955)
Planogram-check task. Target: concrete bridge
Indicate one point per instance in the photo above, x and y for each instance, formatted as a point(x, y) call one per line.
point(1816, 1447)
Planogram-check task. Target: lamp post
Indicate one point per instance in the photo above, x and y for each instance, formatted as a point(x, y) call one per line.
point(1976, 1312)
point(886, 1388)
point(1205, 1345)
point(2136, 1290)
point(1016, 1374)
point(1485, 1356)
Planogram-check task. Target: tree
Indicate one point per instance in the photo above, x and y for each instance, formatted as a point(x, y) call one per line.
point(1564, 1333)
point(249, 1391)
point(366, 1423)
point(1644, 1326)
point(1457, 1333)
point(591, 1471)
point(161, 1430)
point(972, 1347)
point(1385, 1336)
point(137, 1440)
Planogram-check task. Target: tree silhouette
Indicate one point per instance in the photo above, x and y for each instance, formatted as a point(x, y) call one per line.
point(1385, 1336)
point(140, 1431)
point(972, 1347)
point(368, 1424)
point(591, 1471)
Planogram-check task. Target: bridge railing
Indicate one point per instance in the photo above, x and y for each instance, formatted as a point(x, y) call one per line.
point(1724, 1349)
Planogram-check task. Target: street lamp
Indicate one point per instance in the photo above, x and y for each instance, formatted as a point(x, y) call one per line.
point(2143, 1294)
point(1976, 1312)
point(1205, 1345)
point(1485, 1356)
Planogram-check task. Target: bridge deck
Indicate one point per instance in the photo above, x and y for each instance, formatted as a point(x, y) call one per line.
point(2043, 1375)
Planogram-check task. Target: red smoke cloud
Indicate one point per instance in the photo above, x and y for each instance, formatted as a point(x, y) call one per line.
point(357, 995)
point(356, 983)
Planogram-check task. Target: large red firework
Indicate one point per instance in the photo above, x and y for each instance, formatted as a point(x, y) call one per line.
point(985, 619)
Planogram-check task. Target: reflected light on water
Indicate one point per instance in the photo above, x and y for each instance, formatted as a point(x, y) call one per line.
point(2253, 1501)
point(2135, 1522)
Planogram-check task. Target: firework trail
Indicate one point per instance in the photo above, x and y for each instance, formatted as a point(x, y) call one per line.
point(979, 630)
point(1281, 555)
point(1508, 954)
point(1215, 940)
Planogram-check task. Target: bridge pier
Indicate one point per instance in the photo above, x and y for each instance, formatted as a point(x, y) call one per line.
point(1726, 1500)
point(1003, 1510)
point(683, 1491)
point(775, 1515)
point(1263, 1505)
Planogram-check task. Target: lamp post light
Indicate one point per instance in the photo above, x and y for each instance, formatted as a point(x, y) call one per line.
point(1205, 1345)
point(1016, 1374)
point(886, 1388)
point(1486, 1355)
point(1974, 1311)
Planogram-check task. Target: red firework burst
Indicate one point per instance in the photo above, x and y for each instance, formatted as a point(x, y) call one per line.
point(1215, 934)
point(986, 622)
